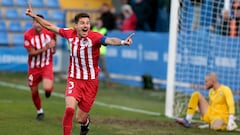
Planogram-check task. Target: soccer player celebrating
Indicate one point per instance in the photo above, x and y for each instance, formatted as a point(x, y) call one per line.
point(82, 82)
point(40, 44)
point(219, 112)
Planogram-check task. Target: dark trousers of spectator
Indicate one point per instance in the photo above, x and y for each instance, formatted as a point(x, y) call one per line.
point(104, 70)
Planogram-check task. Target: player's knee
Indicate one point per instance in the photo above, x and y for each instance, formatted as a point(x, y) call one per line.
point(217, 128)
point(217, 125)
point(196, 94)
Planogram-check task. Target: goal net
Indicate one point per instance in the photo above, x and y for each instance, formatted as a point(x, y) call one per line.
point(203, 38)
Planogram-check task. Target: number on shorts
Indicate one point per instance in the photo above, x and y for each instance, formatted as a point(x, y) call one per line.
point(30, 79)
point(70, 88)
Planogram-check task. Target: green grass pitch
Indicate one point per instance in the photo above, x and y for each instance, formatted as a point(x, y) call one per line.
point(108, 115)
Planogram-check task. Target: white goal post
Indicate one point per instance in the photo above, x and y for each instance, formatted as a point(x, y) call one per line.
point(199, 42)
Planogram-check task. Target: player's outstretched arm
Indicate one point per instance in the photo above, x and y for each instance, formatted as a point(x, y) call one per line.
point(117, 41)
point(41, 21)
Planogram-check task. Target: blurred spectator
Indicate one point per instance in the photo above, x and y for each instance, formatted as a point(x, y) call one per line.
point(143, 11)
point(154, 12)
point(217, 6)
point(107, 16)
point(163, 16)
point(197, 6)
point(224, 23)
point(235, 22)
point(130, 19)
point(98, 27)
point(119, 21)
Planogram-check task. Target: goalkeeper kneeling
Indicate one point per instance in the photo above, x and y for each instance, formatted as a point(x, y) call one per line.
point(218, 112)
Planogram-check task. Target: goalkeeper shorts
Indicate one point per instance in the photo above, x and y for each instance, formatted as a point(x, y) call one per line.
point(210, 118)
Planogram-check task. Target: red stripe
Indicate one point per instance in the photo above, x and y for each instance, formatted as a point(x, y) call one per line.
point(41, 46)
point(86, 60)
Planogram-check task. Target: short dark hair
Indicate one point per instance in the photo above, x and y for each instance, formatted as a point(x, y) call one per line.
point(80, 15)
point(39, 15)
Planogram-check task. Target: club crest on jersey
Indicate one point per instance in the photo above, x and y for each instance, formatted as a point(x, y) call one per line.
point(220, 93)
point(27, 43)
point(85, 43)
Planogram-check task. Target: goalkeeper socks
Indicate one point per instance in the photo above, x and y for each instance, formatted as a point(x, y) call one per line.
point(189, 117)
point(67, 121)
point(36, 100)
point(193, 103)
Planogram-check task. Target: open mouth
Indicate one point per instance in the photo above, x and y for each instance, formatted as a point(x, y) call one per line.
point(85, 29)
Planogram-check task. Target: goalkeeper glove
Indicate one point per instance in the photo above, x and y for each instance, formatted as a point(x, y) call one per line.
point(231, 123)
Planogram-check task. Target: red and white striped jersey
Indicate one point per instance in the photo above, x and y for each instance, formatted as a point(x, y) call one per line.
point(84, 54)
point(38, 41)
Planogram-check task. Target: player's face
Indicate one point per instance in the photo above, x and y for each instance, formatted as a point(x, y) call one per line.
point(209, 83)
point(83, 26)
point(37, 26)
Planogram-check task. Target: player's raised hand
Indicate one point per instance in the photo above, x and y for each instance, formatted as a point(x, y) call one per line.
point(128, 40)
point(29, 10)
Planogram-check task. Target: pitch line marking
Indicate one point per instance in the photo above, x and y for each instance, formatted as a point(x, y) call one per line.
point(25, 88)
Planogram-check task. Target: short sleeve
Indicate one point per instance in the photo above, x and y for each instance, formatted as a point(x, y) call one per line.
point(66, 32)
point(27, 42)
point(100, 39)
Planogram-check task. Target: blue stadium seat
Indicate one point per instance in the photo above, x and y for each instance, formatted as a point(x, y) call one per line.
point(27, 26)
point(7, 3)
point(17, 39)
point(37, 3)
point(12, 13)
point(58, 15)
point(15, 26)
point(52, 4)
point(4, 38)
point(3, 26)
point(44, 13)
point(22, 3)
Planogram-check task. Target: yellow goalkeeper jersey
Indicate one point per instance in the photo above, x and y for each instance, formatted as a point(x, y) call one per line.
point(221, 101)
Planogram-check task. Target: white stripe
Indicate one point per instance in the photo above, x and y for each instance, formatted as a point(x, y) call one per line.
point(90, 59)
point(71, 57)
point(78, 72)
point(83, 62)
point(43, 53)
point(33, 58)
point(38, 46)
point(32, 62)
point(25, 88)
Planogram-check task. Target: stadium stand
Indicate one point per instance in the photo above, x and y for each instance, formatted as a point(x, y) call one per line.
point(44, 13)
point(14, 21)
point(57, 15)
point(21, 3)
point(3, 26)
point(37, 3)
point(12, 13)
point(52, 4)
point(15, 26)
point(4, 38)
point(17, 39)
point(27, 26)
point(7, 3)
